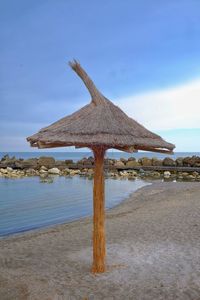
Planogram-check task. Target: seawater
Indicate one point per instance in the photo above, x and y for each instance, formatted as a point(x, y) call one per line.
point(76, 155)
point(28, 203)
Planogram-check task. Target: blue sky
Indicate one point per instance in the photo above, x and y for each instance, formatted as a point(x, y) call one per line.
point(135, 51)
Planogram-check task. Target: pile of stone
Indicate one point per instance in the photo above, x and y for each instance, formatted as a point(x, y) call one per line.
point(50, 162)
point(130, 168)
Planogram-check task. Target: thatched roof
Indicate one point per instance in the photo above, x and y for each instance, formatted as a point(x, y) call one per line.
point(98, 123)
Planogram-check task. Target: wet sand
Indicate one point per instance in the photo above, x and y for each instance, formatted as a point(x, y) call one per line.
point(153, 252)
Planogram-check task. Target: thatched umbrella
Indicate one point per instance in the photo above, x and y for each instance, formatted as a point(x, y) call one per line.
point(99, 126)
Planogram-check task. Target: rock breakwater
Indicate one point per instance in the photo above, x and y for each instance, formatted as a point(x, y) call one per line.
point(187, 168)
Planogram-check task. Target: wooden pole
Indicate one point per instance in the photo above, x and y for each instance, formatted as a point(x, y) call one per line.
point(99, 246)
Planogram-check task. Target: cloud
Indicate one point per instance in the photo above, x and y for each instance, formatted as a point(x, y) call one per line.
point(172, 108)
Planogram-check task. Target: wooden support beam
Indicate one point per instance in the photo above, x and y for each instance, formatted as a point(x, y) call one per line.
point(99, 244)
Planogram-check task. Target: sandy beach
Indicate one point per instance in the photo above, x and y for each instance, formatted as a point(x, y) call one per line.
point(153, 252)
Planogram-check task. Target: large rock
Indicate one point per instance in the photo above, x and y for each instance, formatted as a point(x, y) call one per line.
point(30, 163)
point(86, 161)
point(131, 158)
point(31, 172)
point(179, 161)
point(119, 164)
point(188, 161)
point(91, 159)
point(5, 157)
point(66, 171)
point(145, 161)
point(193, 161)
point(169, 162)
point(132, 164)
point(123, 160)
point(9, 169)
point(60, 164)
point(132, 174)
point(3, 171)
point(48, 162)
point(69, 161)
point(75, 172)
point(109, 162)
point(6, 161)
point(54, 171)
point(167, 174)
point(156, 162)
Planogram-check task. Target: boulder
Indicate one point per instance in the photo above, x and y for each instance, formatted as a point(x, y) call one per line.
point(184, 174)
point(169, 162)
point(60, 164)
point(48, 162)
point(197, 161)
point(109, 162)
point(90, 171)
point(3, 171)
point(155, 174)
point(31, 172)
point(132, 173)
point(193, 161)
point(75, 172)
point(198, 178)
point(123, 174)
point(156, 162)
point(179, 161)
point(30, 163)
point(195, 174)
point(91, 159)
point(131, 158)
point(191, 177)
point(66, 171)
point(6, 161)
point(188, 161)
point(85, 162)
point(167, 174)
point(43, 168)
point(5, 157)
point(43, 171)
point(69, 161)
point(123, 160)
point(145, 161)
point(119, 164)
point(132, 164)
point(9, 169)
point(54, 171)
point(82, 161)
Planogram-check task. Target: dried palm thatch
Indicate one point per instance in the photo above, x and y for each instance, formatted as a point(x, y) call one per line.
point(99, 125)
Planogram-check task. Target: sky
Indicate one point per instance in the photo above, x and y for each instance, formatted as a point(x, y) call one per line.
point(142, 55)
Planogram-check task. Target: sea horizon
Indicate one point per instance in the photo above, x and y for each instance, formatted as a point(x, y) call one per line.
point(77, 155)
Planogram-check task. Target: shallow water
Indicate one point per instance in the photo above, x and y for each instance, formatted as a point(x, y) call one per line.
point(28, 203)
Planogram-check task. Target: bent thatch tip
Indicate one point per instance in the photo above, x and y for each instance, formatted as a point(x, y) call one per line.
point(74, 64)
point(97, 97)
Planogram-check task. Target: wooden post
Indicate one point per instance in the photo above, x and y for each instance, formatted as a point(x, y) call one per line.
point(99, 246)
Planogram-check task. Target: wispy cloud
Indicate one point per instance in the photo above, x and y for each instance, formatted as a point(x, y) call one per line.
point(172, 108)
